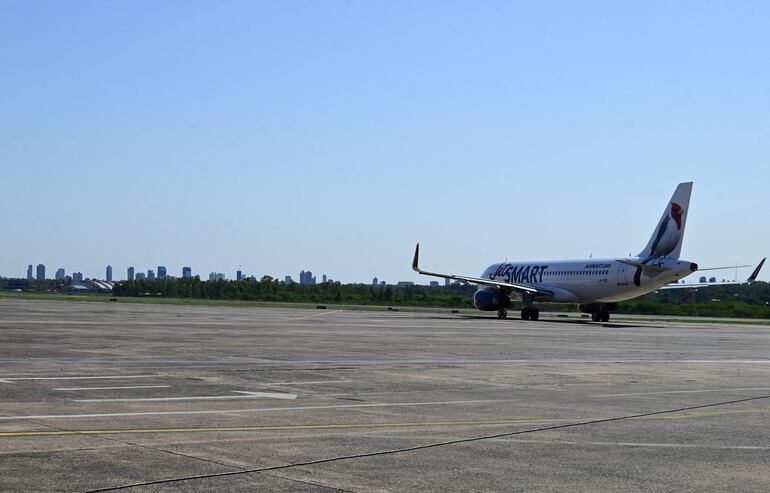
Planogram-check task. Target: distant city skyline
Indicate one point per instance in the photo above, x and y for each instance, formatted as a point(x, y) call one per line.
point(306, 277)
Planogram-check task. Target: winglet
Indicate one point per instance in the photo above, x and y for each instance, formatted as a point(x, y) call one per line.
point(753, 276)
point(416, 258)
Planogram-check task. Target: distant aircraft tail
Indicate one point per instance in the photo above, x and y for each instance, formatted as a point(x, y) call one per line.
point(753, 276)
point(666, 240)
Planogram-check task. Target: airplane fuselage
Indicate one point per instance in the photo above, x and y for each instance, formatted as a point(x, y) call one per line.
point(589, 280)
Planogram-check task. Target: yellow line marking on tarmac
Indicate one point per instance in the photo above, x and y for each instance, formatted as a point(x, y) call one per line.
point(316, 315)
point(348, 426)
point(283, 427)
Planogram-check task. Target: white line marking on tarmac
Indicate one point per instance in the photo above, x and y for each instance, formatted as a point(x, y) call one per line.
point(641, 444)
point(683, 392)
point(101, 377)
point(245, 395)
point(116, 388)
point(253, 410)
point(306, 383)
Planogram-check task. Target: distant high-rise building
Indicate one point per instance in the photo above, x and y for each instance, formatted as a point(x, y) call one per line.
point(150, 275)
point(306, 278)
point(383, 284)
point(140, 276)
point(130, 273)
point(446, 281)
point(288, 280)
point(59, 276)
point(323, 279)
point(239, 276)
point(108, 274)
point(29, 272)
point(434, 284)
point(77, 276)
point(40, 272)
point(375, 282)
point(186, 272)
point(217, 276)
point(161, 272)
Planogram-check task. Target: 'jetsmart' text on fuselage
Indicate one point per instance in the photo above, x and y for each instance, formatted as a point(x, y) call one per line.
point(519, 273)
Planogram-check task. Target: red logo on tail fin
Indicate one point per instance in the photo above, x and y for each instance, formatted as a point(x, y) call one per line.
point(676, 214)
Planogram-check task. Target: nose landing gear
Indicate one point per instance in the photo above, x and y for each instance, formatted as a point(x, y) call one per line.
point(502, 313)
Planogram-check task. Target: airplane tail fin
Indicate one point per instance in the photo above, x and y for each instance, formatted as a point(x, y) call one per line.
point(666, 240)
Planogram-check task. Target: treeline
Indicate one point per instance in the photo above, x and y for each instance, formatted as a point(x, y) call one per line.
point(46, 285)
point(268, 289)
point(742, 301)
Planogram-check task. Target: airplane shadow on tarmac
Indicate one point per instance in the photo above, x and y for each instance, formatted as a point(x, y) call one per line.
point(582, 322)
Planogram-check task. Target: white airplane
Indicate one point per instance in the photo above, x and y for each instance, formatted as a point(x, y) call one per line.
point(595, 285)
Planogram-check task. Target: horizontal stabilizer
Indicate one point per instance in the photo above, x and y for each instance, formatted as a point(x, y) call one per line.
point(695, 285)
point(724, 268)
point(647, 267)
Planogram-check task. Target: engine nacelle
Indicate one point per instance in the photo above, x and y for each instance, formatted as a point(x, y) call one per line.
point(490, 300)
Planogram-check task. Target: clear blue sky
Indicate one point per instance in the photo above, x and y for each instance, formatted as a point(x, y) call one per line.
point(331, 136)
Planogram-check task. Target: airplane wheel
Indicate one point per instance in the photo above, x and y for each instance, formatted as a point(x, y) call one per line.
point(534, 314)
point(596, 317)
point(525, 314)
point(502, 313)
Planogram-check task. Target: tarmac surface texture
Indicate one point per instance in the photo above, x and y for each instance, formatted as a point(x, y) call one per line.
point(99, 396)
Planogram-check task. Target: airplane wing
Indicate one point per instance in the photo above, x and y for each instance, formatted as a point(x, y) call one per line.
point(693, 285)
point(521, 288)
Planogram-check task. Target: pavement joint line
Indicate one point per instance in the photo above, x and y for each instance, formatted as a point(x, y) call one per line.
point(316, 315)
point(344, 426)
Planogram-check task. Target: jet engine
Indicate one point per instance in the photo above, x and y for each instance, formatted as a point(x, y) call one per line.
point(490, 300)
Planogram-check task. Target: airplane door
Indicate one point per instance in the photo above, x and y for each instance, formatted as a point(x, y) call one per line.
point(622, 281)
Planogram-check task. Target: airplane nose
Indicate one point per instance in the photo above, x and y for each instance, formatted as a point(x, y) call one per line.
point(693, 266)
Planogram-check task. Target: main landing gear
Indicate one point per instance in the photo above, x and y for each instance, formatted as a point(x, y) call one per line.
point(530, 314)
point(600, 312)
point(526, 313)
